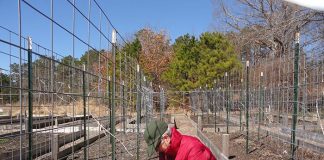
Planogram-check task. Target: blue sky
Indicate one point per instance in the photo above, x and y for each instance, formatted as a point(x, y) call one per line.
point(175, 17)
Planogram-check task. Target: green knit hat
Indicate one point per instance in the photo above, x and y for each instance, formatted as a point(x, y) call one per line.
point(153, 133)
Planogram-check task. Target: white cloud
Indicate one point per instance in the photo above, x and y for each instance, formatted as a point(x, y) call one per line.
point(313, 4)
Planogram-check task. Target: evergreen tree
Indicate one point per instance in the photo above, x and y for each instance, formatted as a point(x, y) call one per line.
point(199, 62)
point(182, 71)
point(217, 57)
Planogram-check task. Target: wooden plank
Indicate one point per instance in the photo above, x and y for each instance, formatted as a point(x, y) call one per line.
point(46, 147)
point(64, 154)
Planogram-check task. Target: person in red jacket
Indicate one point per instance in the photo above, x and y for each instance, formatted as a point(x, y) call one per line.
point(172, 145)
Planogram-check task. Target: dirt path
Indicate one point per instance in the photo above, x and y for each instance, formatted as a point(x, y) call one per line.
point(185, 125)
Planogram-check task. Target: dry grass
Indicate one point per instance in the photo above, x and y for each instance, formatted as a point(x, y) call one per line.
point(93, 107)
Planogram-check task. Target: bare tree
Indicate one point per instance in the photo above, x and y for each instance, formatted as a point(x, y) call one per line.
point(156, 53)
point(269, 26)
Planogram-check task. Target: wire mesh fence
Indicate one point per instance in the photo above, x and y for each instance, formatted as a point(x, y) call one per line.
point(58, 103)
point(72, 100)
point(268, 103)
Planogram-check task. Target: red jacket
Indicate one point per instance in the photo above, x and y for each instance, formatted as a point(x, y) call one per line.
point(184, 147)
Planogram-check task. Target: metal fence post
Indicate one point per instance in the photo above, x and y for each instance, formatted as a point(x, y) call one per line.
point(226, 99)
point(146, 95)
point(161, 104)
point(30, 99)
point(124, 107)
point(294, 116)
point(230, 104)
point(247, 107)
point(241, 107)
point(207, 103)
point(109, 104)
point(113, 142)
point(214, 103)
point(262, 96)
point(84, 113)
point(260, 101)
point(138, 110)
point(304, 91)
